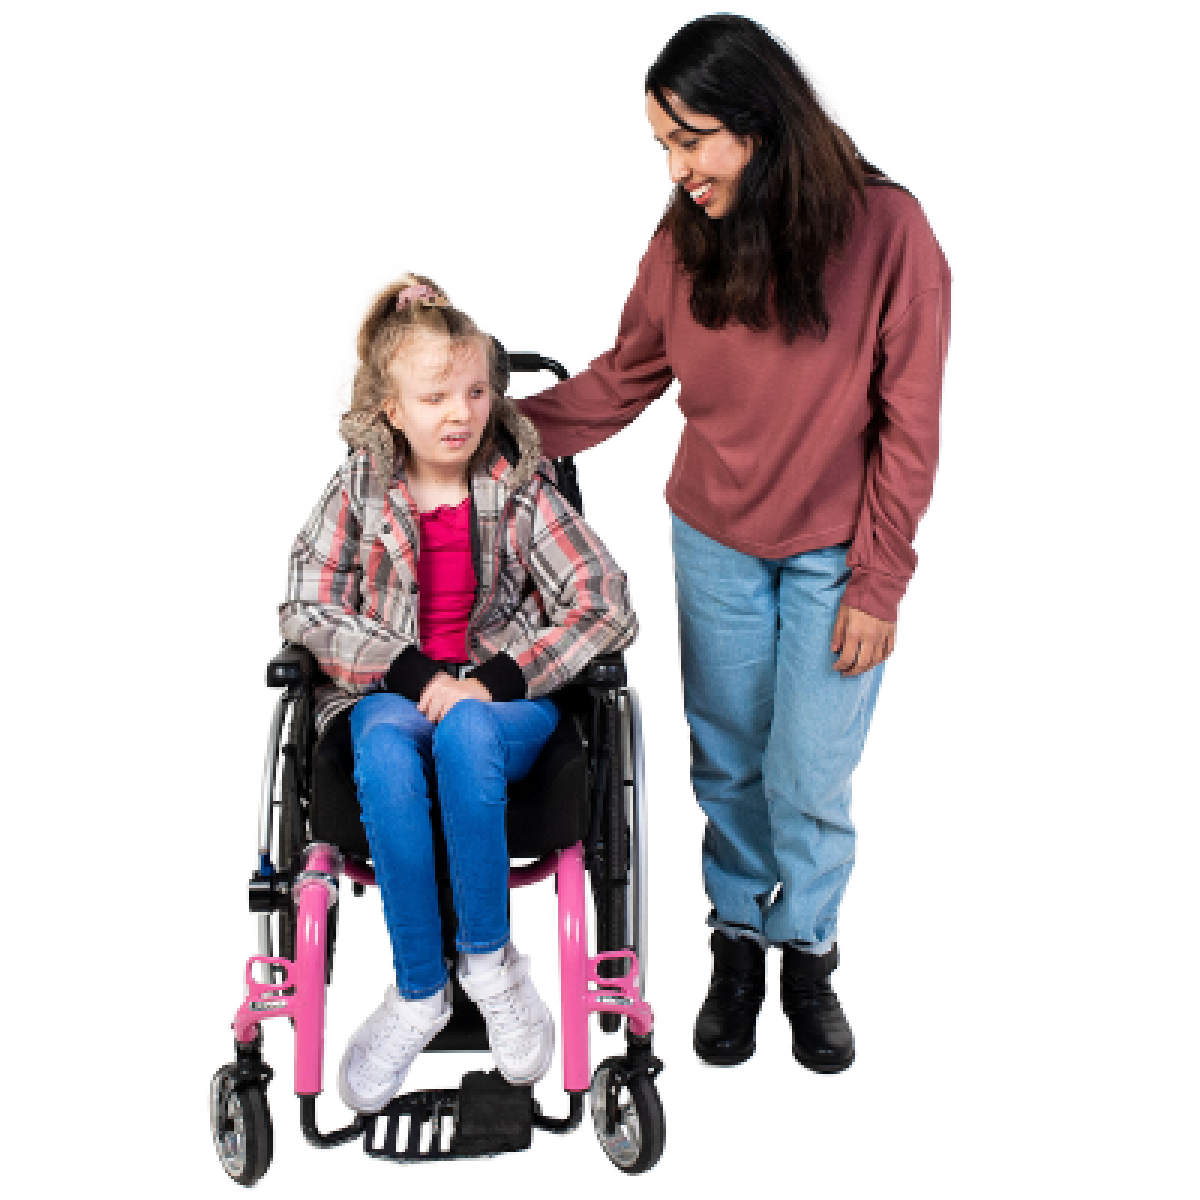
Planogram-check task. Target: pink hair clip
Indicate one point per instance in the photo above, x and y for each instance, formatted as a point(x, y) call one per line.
point(417, 291)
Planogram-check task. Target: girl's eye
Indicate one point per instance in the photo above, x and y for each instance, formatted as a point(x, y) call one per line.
point(690, 145)
point(438, 397)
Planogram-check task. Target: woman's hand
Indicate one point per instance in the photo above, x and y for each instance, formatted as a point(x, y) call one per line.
point(860, 640)
point(443, 692)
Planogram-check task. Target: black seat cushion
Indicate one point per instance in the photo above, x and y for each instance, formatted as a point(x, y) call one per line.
point(547, 810)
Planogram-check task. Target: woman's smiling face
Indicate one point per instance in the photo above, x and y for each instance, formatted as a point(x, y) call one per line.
point(706, 165)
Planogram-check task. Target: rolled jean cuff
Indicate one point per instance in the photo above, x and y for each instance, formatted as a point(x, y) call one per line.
point(732, 930)
point(819, 950)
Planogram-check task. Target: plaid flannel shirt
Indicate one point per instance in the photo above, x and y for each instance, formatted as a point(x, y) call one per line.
point(548, 593)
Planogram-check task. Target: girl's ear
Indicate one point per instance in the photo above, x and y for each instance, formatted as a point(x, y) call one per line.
point(391, 411)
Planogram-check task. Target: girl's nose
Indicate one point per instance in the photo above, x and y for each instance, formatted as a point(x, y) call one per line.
point(676, 167)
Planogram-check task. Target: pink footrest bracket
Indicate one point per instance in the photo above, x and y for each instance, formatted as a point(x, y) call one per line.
point(263, 1000)
point(619, 993)
point(627, 984)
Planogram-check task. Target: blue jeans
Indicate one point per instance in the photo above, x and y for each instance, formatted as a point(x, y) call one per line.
point(471, 753)
point(776, 733)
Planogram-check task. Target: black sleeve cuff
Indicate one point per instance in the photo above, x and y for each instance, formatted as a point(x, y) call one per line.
point(409, 673)
point(501, 676)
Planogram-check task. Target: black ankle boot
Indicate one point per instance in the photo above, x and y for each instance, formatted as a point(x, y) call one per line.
point(821, 1037)
point(725, 1027)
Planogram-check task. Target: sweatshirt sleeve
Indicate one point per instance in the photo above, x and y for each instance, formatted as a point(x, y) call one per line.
point(619, 385)
point(899, 482)
point(321, 611)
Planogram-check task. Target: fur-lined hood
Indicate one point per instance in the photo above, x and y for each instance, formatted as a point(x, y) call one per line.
point(523, 441)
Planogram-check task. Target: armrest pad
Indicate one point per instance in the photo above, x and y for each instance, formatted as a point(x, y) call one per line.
point(293, 666)
point(606, 670)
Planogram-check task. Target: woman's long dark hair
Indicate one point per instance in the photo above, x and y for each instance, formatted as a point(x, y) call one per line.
point(765, 259)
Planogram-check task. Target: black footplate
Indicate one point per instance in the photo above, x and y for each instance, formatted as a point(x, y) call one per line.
point(485, 1116)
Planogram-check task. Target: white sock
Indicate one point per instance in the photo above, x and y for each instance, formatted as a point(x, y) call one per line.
point(479, 964)
point(430, 1006)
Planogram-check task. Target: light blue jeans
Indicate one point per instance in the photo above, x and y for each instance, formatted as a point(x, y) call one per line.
point(776, 733)
point(472, 752)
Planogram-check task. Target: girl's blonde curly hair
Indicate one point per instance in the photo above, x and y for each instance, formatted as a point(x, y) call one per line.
point(382, 336)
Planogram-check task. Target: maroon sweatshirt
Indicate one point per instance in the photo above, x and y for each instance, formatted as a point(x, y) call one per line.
point(790, 448)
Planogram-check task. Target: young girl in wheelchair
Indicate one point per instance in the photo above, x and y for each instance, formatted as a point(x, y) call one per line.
point(446, 588)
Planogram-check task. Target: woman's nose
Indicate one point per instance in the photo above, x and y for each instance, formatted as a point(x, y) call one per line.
point(676, 167)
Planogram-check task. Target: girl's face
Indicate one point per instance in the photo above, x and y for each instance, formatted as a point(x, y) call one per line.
point(707, 165)
point(441, 403)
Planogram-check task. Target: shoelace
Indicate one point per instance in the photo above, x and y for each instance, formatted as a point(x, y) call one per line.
point(389, 1045)
point(512, 1011)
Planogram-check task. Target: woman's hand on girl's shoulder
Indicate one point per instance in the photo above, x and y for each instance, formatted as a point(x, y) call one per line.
point(443, 692)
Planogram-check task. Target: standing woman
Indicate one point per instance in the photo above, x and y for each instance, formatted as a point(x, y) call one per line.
point(803, 303)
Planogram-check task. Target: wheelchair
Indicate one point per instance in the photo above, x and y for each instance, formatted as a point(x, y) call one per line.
point(578, 816)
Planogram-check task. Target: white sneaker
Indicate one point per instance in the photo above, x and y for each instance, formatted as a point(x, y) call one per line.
point(520, 1027)
point(379, 1054)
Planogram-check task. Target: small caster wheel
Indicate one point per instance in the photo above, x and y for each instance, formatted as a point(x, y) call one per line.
point(241, 1126)
point(634, 1143)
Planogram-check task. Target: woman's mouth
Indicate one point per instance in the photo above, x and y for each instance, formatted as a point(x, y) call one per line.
point(702, 194)
point(456, 441)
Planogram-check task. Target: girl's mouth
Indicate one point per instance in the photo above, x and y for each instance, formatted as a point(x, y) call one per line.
point(701, 195)
point(456, 440)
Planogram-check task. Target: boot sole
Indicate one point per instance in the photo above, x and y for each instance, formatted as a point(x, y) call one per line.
point(820, 1066)
point(730, 1059)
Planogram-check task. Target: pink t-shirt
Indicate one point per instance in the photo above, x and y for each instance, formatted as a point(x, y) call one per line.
point(446, 577)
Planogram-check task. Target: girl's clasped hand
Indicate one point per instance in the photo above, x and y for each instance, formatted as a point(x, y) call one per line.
point(442, 692)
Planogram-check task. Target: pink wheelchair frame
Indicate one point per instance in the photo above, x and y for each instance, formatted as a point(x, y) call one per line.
point(301, 992)
point(626, 1111)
